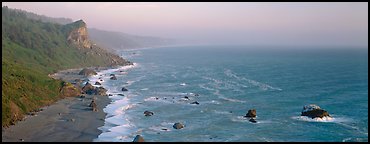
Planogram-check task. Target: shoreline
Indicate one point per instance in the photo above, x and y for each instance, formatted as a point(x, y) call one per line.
point(69, 119)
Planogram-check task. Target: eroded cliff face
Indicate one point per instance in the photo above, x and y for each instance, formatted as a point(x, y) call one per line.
point(79, 35)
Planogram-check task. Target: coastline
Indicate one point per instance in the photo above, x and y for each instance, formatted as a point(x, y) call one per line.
point(69, 119)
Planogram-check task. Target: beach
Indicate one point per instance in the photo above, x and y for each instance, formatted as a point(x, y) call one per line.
point(69, 119)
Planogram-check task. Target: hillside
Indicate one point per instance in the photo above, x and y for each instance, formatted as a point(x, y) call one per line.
point(108, 39)
point(32, 49)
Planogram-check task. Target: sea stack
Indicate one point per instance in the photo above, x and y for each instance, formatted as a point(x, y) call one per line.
point(314, 111)
point(251, 113)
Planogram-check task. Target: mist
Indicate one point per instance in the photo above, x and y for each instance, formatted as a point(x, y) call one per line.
point(264, 24)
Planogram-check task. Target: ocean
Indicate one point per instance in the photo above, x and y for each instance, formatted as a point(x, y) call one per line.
point(227, 81)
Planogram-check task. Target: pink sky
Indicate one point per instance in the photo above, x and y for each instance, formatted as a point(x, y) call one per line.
point(307, 24)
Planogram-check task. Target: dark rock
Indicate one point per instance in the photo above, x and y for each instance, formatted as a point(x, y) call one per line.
point(121, 94)
point(101, 80)
point(138, 138)
point(196, 95)
point(82, 96)
point(87, 72)
point(186, 97)
point(314, 111)
point(88, 88)
point(148, 113)
point(251, 113)
point(110, 95)
point(101, 91)
point(113, 78)
point(124, 89)
point(178, 126)
point(195, 103)
point(253, 120)
point(94, 106)
point(97, 83)
point(164, 129)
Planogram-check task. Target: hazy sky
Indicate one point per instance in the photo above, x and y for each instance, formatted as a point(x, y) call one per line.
point(297, 24)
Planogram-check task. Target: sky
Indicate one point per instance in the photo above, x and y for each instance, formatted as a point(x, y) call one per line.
point(340, 24)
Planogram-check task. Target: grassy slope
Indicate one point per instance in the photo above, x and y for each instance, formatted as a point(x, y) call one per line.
point(31, 50)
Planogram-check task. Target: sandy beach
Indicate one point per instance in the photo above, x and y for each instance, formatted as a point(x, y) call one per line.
point(70, 119)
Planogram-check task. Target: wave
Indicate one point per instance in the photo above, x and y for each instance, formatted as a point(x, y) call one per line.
point(232, 100)
point(261, 85)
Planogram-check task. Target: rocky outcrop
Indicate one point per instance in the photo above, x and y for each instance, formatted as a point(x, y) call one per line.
point(69, 90)
point(251, 113)
point(97, 83)
point(87, 72)
point(178, 126)
point(148, 113)
point(88, 88)
point(79, 35)
point(314, 111)
point(94, 106)
point(138, 138)
point(91, 90)
point(101, 91)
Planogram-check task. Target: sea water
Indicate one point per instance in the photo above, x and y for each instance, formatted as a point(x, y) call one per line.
point(227, 82)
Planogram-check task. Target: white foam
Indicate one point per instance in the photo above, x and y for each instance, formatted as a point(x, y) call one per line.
point(261, 85)
point(232, 100)
point(183, 84)
point(144, 89)
point(308, 119)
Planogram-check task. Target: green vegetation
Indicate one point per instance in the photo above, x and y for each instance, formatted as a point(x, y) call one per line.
point(32, 49)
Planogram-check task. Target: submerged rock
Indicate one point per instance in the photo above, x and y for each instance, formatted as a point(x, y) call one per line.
point(124, 89)
point(178, 126)
point(148, 113)
point(251, 113)
point(253, 120)
point(138, 138)
point(113, 78)
point(314, 111)
point(195, 103)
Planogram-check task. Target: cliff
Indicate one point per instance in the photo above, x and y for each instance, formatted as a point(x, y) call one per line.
point(78, 35)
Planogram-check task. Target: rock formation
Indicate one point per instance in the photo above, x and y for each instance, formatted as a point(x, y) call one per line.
point(138, 138)
point(314, 111)
point(251, 113)
point(148, 113)
point(124, 89)
point(79, 35)
point(178, 126)
point(69, 90)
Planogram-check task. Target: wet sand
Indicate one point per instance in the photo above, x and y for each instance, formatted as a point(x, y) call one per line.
point(70, 119)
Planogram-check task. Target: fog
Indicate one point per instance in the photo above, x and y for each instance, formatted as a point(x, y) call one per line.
point(269, 24)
